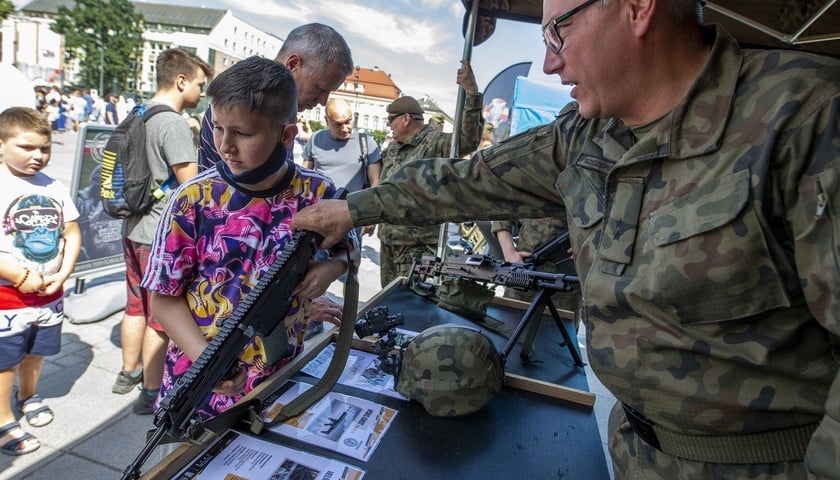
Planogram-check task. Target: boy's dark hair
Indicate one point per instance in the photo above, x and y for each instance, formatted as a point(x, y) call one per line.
point(176, 61)
point(317, 43)
point(259, 84)
point(22, 119)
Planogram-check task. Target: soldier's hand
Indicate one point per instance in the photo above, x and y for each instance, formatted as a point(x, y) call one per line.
point(330, 218)
point(517, 256)
point(466, 78)
point(325, 310)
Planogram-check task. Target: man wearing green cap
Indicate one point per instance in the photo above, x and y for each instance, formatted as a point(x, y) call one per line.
point(413, 139)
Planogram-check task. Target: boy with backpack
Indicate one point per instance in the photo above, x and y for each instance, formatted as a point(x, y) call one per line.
point(171, 158)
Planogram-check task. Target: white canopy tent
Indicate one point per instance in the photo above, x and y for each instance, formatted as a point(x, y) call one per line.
point(812, 25)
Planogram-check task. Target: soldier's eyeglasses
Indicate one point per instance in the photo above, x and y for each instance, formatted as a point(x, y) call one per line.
point(391, 118)
point(551, 30)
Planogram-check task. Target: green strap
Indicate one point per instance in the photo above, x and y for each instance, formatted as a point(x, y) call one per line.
point(342, 351)
point(249, 410)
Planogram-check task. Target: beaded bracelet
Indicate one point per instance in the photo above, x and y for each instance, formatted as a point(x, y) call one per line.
point(23, 280)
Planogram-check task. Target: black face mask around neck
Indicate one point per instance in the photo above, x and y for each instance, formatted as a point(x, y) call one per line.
point(274, 163)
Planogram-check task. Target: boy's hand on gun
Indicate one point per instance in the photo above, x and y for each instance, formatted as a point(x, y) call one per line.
point(234, 385)
point(318, 278)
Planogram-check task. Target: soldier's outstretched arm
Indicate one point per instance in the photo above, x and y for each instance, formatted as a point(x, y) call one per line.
point(330, 218)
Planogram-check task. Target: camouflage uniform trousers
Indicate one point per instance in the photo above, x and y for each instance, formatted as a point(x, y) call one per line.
point(632, 458)
point(396, 260)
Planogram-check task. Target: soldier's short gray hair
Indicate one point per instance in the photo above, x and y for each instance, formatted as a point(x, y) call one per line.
point(319, 43)
point(682, 11)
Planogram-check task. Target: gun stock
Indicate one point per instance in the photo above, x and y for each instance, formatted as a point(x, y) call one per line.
point(559, 244)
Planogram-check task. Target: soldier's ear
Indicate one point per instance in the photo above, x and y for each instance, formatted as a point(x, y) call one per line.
point(293, 62)
point(640, 13)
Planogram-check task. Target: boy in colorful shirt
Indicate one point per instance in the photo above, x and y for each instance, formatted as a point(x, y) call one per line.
point(38, 249)
point(226, 226)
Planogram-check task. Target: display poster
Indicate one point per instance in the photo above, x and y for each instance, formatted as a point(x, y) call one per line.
point(101, 234)
point(345, 424)
point(363, 370)
point(236, 456)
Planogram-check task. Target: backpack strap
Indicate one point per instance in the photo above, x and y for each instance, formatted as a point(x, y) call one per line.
point(160, 191)
point(154, 110)
point(363, 148)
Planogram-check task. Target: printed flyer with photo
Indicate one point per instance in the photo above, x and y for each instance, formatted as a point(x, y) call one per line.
point(236, 456)
point(342, 423)
point(363, 371)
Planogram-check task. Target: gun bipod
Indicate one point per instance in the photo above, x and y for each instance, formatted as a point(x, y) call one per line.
point(531, 319)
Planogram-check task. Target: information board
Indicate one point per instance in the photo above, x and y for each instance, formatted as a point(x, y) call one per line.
point(102, 250)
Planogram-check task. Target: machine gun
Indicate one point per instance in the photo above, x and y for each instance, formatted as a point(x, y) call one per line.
point(263, 310)
point(486, 269)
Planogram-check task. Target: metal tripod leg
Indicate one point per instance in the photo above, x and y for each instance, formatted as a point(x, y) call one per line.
point(534, 312)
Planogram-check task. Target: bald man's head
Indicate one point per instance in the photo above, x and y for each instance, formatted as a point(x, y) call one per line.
point(339, 118)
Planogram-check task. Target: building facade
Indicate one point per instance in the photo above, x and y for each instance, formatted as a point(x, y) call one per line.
point(217, 36)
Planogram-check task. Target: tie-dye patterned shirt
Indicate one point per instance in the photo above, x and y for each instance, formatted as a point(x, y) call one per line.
point(213, 242)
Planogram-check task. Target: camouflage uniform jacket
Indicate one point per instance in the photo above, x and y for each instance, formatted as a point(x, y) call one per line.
point(428, 143)
point(708, 248)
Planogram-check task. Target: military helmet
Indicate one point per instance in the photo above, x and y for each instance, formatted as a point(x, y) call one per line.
point(451, 370)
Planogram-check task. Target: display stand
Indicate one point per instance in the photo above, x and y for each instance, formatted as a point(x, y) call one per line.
point(540, 426)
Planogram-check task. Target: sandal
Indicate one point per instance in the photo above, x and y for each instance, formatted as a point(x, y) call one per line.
point(13, 446)
point(32, 416)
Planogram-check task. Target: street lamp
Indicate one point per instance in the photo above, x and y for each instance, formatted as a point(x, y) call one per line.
point(101, 64)
point(101, 45)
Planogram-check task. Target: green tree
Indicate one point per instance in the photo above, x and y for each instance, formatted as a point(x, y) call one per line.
point(106, 37)
point(6, 7)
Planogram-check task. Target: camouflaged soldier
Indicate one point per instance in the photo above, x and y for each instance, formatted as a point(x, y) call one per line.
point(702, 186)
point(400, 245)
point(533, 233)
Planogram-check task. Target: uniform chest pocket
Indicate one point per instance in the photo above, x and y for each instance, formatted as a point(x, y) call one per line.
point(710, 255)
point(582, 192)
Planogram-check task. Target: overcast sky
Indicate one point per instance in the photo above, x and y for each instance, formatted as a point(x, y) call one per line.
point(419, 43)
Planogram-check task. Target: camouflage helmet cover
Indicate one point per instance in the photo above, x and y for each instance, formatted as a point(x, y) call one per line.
point(451, 370)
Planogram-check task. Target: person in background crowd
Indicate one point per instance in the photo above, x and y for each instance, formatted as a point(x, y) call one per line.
point(111, 117)
point(338, 151)
point(413, 139)
point(304, 132)
point(170, 151)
